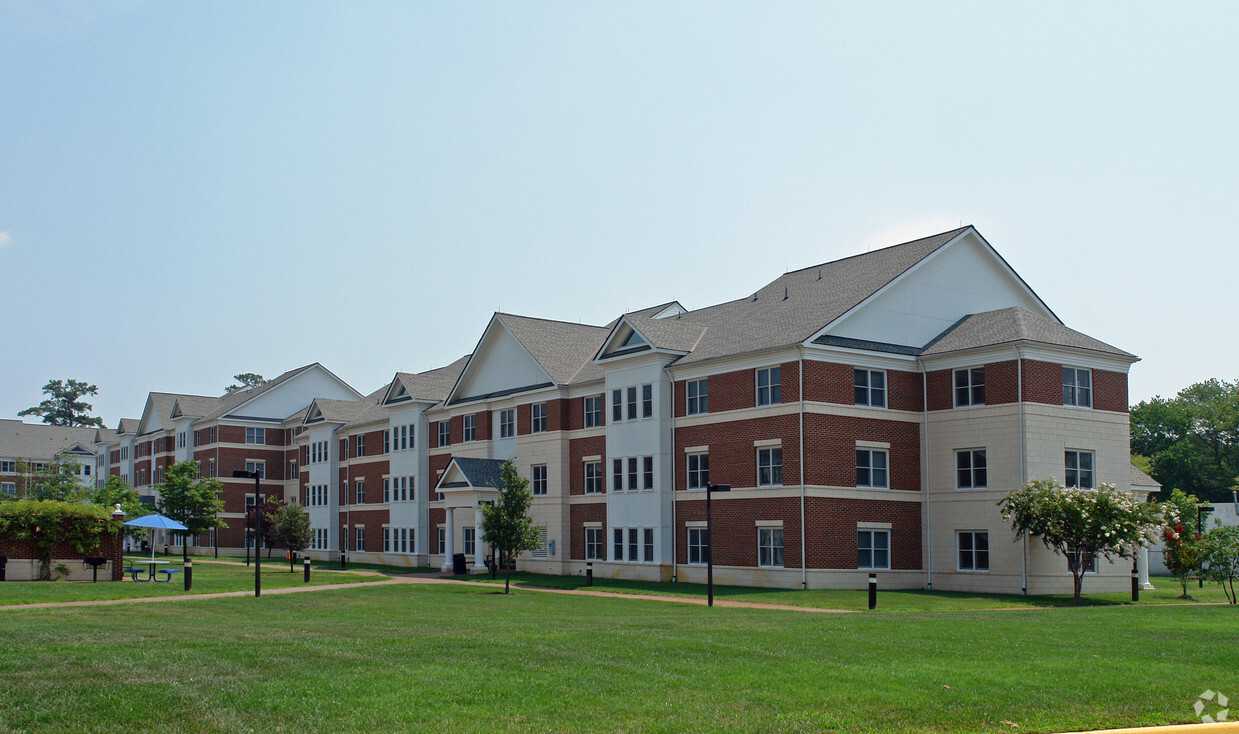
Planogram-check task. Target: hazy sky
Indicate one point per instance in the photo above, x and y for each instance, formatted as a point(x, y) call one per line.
point(192, 190)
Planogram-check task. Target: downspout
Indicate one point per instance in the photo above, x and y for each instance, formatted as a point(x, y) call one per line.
point(674, 470)
point(804, 562)
point(1019, 393)
point(929, 544)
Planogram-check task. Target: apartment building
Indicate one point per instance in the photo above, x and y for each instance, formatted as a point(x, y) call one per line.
point(27, 448)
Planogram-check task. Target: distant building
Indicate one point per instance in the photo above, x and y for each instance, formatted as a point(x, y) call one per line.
point(26, 448)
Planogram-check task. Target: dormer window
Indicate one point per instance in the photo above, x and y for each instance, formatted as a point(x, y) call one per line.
point(632, 340)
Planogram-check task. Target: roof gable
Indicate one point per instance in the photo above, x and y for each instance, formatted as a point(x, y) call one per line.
point(1012, 325)
point(463, 472)
point(285, 395)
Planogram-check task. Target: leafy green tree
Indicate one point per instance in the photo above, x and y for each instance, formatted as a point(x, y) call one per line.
point(1220, 553)
point(1192, 439)
point(1079, 524)
point(1181, 549)
point(191, 500)
point(246, 380)
point(506, 523)
point(292, 529)
point(46, 524)
point(270, 508)
point(65, 406)
point(58, 480)
point(116, 491)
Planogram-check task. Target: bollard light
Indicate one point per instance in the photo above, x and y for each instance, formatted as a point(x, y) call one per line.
point(873, 591)
point(711, 489)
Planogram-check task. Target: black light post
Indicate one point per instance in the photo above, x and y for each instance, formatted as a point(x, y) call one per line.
point(1201, 509)
point(711, 489)
point(257, 527)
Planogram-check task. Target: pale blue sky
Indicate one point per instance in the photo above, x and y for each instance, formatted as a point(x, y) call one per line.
point(192, 190)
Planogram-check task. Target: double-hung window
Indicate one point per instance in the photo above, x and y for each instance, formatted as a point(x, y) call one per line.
point(698, 471)
point(698, 392)
point(873, 549)
point(445, 433)
point(697, 546)
point(538, 471)
point(632, 474)
point(361, 539)
point(387, 441)
point(647, 472)
point(869, 387)
point(471, 428)
point(617, 475)
point(256, 435)
point(537, 421)
point(361, 445)
point(648, 555)
point(632, 403)
point(634, 544)
point(970, 469)
point(770, 547)
point(507, 423)
point(617, 544)
point(1079, 469)
point(593, 411)
point(1077, 387)
point(617, 406)
point(593, 477)
point(973, 551)
point(361, 491)
point(970, 387)
point(593, 544)
point(470, 541)
point(769, 467)
point(769, 387)
point(257, 467)
point(647, 401)
point(871, 469)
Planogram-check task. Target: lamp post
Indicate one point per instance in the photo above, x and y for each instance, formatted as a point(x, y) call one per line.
point(711, 489)
point(1201, 509)
point(239, 474)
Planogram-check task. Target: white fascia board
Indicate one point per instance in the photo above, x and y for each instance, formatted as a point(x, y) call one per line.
point(860, 358)
point(970, 358)
point(395, 381)
point(735, 363)
point(1076, 357)
point(550, 392)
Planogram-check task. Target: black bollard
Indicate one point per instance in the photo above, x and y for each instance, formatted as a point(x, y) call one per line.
point(873, 591)
point(4, 560)
point(343, 560)
point(1135, 581)
point(589, 574)
point(307, 569)
point(189, 575)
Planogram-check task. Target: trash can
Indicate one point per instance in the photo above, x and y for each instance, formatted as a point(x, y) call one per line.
point(459, 566)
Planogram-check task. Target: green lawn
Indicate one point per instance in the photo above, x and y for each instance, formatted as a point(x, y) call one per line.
point(209, 578)
point(1167, 592)
point(464, 658)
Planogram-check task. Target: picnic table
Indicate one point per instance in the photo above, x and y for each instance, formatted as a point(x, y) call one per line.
point(136, 569)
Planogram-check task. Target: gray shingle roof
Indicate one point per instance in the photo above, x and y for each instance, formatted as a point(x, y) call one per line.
point(39, 441)
point(341, 411)
point(672, 334)
point(237, 397)
point(481, 472)
point(127, 425)
point(1009, 325)
point(1140, 479)
point(433, 384)
point(564, 349)
point(196, 406)
point(372, 410)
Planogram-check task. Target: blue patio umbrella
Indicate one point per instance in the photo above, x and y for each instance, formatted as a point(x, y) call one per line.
point(158, 522)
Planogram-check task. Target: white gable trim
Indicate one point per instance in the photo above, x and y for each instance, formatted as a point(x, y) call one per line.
point(473, 365)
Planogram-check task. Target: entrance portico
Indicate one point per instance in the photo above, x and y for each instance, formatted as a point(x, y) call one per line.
point(466, 485)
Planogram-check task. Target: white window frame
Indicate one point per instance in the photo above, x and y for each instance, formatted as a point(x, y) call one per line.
point(537, 480)
point(698, 475)
point(469, 541)
point(595, 482)
point(359, 492)
point(1073, 394)
point(697, 397)
point(647, 401)
point(537, 418)
point(770, 553)
point(470, 423)
point(872, 470)
point(617, 544)
point(592, 409)
point(771, 393)
point(257, 465)
point(1078, 455)
point(359, 544)
point(617, 405)
point(595, 548)
point(647, 545)
point(256, 436)
point(766, 462)
point(869, 390)
point(445, 432)
point(697, 548)
point(507, 423)
point(872, 548)
point(966, 466)
point(972, 553)
point(968, 386)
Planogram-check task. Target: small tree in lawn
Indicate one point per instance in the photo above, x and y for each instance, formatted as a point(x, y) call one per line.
point(1180, 545)
point(506, 524)
point(292, 530)
point(1080, 523)
point(1220, 552)
point(191, 500)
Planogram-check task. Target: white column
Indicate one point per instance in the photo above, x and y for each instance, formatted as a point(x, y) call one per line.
point(479, 562)
point(450, 545)
point(1144, 568)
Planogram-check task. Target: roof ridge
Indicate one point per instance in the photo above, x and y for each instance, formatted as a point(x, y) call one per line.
point(880, 249)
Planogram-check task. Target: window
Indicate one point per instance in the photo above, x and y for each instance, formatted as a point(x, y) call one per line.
point(361, 539)
point(970, 387)
point(470, 541)
point(537, 421)
point(770, 547)
point(361, 491)
point(593, 477)
point(387, 490)
point(593, 544)
point(698, 397)
point(445, 433)
point(1079, 466)
point(698, 471)
point(442, 542)
point(9, 488)
point(471, 428)
point(507, 423)
point(970, 472)
point(769, 467)
point(617, 537)
point(387, 532)
point(361, 446)
point(871, 468)
point(180, 440)
point(870, 387)
point(697, 545)
point(769, 389)
point(632, 403)
point(292, 468)
point(387, 441)
point(210, 468)
point(617, 475)
point(973, 551)
point(873, 549)
point(8, 466)
point(634, 542)
point(647, 401)
point(647, 472)
point(256, 435)
point(648, 556)
point(86, 469)
point(257, 467)
point(1077, 387)
point(593, 411)
point(632, 474)
point(617, 406)
point(539, 479)
point(407, 539)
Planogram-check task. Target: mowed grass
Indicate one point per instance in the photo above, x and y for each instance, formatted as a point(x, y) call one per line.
point(414, 657)
point(209, 578)
point(1167, 592)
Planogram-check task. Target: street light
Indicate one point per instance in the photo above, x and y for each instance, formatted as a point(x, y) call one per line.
point(1201, 509)
point(711, 489)
point(239, 474)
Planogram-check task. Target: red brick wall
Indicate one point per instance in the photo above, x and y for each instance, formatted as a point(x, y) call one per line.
point(557, 414)
point(373, 520)
point(579, 515)
point(578, 448)
point(1110, 390)
point(110, 547)
point(438, 516)
point(735, 390)
point(438, 463)
point(1002, 383)
point(733, 458)
point(482, 422)
point(831, 382)
point(830, 450)
point(372, 472)
point(734, 531)
point(575, 410)
point(831, 538)
point(231, 434)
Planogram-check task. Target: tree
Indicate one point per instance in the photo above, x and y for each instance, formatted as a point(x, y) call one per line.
point(292, 529)
point(117, 491)
point(246, 380)
point(1220, 553)
point(58, 480)
point(506, 523)
point(1192, 439)
point(191, 500)
point(1080, 524)
point(65, 406)
point(1180, 543)
point(270, 507)
point(47, 524)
